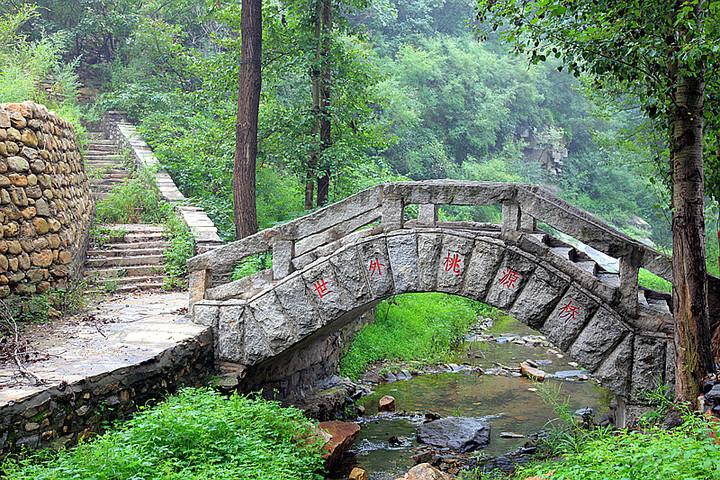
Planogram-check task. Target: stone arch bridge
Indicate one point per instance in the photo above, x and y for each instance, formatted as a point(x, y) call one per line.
point(335, 263)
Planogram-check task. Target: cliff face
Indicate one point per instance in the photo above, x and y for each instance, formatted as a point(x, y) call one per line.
point(45, 201)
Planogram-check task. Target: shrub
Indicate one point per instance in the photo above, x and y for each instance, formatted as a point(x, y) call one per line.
point(136, 200)
point(194, 435)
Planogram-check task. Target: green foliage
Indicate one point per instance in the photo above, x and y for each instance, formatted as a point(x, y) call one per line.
point(654, 453)
point(101, 235)
point(181, 248)
point(252, 265)
point(422, 326)
point(136, 200)
point(653, 282)
point(196, 434)
point(28, 66)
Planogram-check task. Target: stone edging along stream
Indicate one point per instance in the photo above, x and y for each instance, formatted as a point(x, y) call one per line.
point(118, 127)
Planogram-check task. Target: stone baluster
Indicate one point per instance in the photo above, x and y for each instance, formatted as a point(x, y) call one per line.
point(198, 283)
point(527, 222)
point(511, 219)
point(393, 211)
point(283, 252)
point(428, 214)
point(629, 269)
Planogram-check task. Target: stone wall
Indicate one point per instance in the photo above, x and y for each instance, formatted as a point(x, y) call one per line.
point(45, 201)
point(62, 415)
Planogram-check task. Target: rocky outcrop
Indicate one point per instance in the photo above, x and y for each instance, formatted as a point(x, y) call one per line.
point(45, 202)
point(460, 434)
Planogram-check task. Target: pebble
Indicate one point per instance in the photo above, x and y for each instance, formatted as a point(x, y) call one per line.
point(511, 435)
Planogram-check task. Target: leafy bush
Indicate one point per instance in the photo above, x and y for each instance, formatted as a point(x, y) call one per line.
point(194, 435)
point(420, 326)
point(182, 247)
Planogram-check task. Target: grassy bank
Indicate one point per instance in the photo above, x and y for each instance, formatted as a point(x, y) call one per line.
point(422, 327)
point(196, 434)
point(686, 452)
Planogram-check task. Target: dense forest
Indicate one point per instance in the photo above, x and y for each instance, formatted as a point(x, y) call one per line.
point(416, 92)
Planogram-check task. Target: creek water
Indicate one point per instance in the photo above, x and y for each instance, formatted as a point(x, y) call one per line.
point(513, 404)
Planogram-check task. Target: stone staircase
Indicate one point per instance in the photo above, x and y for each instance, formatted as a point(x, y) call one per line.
point(104, 165)
point(131, 257)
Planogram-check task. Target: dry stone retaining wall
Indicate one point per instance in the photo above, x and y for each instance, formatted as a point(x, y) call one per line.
point(62, 415)
point(45, 203)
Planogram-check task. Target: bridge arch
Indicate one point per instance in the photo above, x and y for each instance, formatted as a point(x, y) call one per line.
point(331, 265)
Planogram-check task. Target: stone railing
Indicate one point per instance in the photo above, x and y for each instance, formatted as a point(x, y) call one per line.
point(116, 126)
point(45, 201)
point(298, 243)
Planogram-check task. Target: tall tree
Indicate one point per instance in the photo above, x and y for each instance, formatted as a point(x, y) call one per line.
point(664, 54)
point(320, 75)
point(250, 82)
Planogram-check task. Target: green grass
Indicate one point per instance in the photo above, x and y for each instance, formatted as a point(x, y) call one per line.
point(686, 452)
point(197, 434)
point(649, 280)
point(423, 327)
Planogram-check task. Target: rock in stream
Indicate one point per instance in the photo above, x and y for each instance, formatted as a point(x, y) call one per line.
point(460, 434)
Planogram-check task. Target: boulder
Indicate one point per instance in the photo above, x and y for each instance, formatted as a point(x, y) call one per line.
point(358, 473)
point(386, 404)
point(461, 434)
point(340, 437)
point(531, 372)
point(425, 471)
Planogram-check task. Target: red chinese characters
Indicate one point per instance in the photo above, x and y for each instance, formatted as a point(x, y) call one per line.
point(509, 278)
point(453, 263)
point(569, 311)
point(321, 288)
point(376, 267)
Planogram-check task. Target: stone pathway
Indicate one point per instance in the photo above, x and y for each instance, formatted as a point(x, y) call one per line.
point(116, 334)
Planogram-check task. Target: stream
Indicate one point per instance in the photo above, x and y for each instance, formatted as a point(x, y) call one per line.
point(511, 403)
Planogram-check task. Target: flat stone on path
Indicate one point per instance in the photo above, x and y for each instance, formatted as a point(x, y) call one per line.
point(118, 333)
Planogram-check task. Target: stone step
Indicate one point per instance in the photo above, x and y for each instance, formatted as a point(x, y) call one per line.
point(127, 271)
point(118, 261)
point(100, 149)
point(121, 245)
point(110, 164)
point(114, 180)
point(114, 286)
point(136, 227)
point(126, 252)
point(97, 159)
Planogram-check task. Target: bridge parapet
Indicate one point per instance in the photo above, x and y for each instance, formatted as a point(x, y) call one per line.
point(383, 208)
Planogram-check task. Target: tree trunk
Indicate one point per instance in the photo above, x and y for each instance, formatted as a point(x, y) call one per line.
point(321, 78)
point(247, 119)
point(690, 303)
